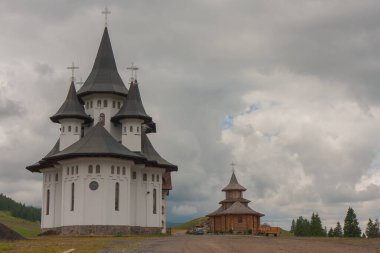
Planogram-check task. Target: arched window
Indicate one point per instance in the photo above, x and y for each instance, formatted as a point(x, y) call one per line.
point(137, 129)
point(105, 103)
point(118, 170)
point(117, 191)
point(145, 177)
point(154, 201)
point(89, 169)
point(67, 170)
point(56, 177)
point(97, 169)
point(134, 175)
point(72, 197)
point(112, 169)
point(131, 129)
point(99, 103)
point(69, 128)
point(47, 202)
point(113, 104)
point(72, 170)
point(152, 177)
point(124, 170)
point(118, 104)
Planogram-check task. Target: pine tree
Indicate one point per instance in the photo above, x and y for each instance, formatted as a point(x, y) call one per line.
point(372, 228)
point(316, 226)
point(330, 233)
point(351, 224)
point(302, 227)
point(293, 226)
point(338, 232)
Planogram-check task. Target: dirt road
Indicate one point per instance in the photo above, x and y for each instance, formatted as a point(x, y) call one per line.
point(245, 244)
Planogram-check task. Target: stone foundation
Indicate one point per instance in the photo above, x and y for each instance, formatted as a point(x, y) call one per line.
point(101, 230)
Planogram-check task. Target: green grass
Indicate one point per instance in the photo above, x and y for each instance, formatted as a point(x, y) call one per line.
point(192, 223)
point(285, 233)
point(25, 228)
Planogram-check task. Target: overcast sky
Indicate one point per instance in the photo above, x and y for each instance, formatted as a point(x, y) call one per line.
point(288, 90)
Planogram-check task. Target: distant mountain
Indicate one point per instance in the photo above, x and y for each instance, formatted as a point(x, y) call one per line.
point(19, 210)
point(172, 224)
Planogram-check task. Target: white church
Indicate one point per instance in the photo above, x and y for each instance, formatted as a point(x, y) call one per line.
point(103, 176)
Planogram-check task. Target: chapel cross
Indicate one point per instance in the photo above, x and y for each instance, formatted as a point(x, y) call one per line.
point(73, 68)
point(133, 68)
point(106, 12)
point(233, 166)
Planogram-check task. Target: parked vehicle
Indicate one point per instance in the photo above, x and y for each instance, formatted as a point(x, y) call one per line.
point(267, 230)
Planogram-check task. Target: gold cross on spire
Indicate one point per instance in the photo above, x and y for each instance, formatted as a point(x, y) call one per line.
point(233, 166)
point(106, 12)
point(133, 68)
point(72, 67)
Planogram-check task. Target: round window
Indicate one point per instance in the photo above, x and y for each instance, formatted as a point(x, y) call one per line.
point(94, 185)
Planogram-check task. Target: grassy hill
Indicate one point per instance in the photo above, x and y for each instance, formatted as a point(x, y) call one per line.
point(192, 223)
point(23, 227)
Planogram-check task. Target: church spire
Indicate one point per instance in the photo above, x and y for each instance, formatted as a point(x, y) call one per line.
point(71, 108)
point(234, 184)
point(104, 77)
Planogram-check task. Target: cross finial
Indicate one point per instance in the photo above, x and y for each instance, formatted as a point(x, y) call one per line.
point(72, 67)
point(133, 68)
point(106, 12)
point(233, 166)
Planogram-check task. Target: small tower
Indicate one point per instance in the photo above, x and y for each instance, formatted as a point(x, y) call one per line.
point(71, 116)
point(132, 116)
point(234, 190)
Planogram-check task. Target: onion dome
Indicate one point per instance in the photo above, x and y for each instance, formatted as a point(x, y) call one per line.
point(71, 108)
point(133, 107)
point(234, 185)
point(104, 77)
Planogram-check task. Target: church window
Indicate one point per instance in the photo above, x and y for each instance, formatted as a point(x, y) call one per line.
point(47, 202)
point(117, 196)
point(76, 169)
point(134, 175)
point(152, 177)
point(91, 104)
point(99, 103)
point(69, 128)
point(68, 171)
point(131, 129)
point(154, 201)
point(97, 169)
point(240, 219)
point(138, 129)
point(118, 104)
point(124, 170)
point(76, 129)
point(72, 197)
point(105, 103)
point(63, 129)
point(72, 170)
point(112, 169)
point(118, 170)
point(90, 169)
point(56, 177)
point(158, 178)
point(113, 104)
point(163, 210)
point(145, 177)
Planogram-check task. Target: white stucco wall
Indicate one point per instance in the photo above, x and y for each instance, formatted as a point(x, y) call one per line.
point(70, 132)
point(131, 134)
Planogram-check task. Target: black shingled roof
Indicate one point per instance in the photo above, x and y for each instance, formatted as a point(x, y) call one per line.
point(153, 156)
point(104, 77)
point(44, 164)
point(133, 106)
point(71, 108)
point(97, 142)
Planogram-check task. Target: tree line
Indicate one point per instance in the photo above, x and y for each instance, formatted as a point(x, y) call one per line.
point(304, 227)
point(19, 210)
